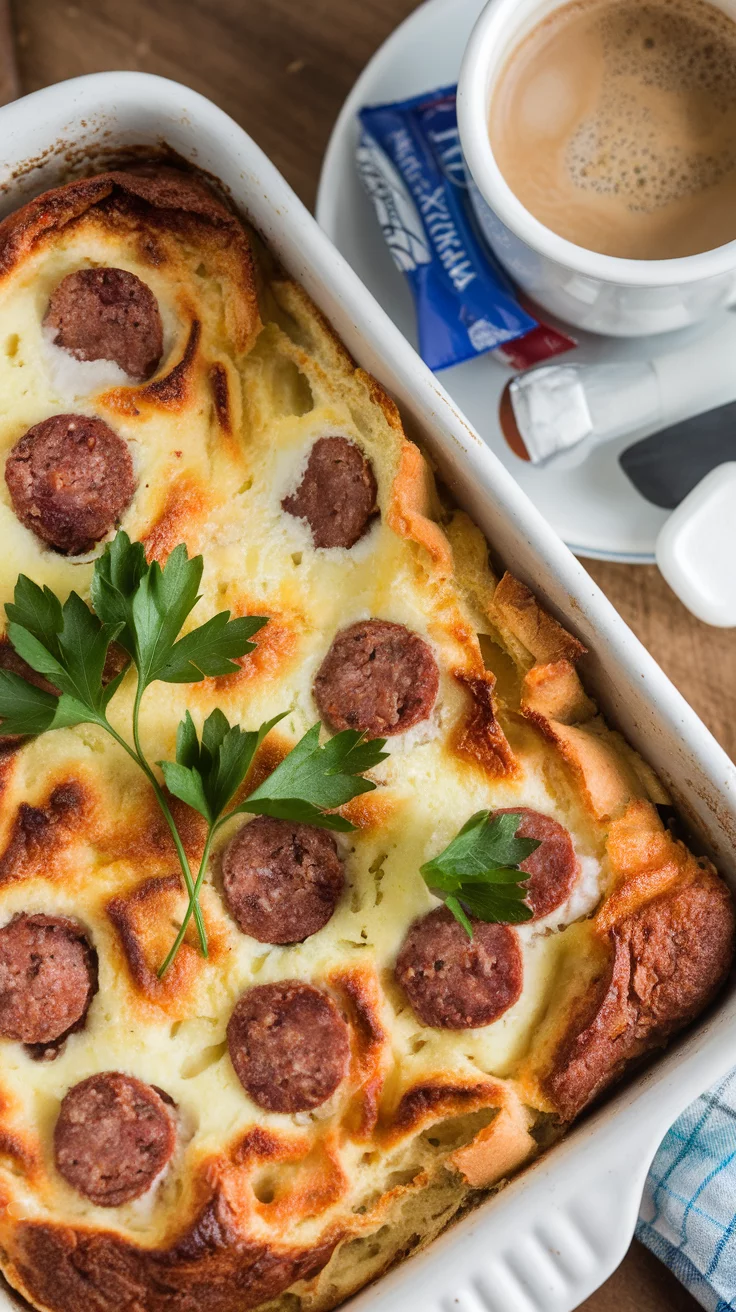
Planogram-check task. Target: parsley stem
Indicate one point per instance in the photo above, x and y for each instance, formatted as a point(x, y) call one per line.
point(168, 817)
point(193, 900)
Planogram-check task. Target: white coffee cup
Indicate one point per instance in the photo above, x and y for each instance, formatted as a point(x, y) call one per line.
point(601, 293)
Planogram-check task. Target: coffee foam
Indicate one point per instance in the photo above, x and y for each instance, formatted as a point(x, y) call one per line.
point(653, 53)
point(615, 124)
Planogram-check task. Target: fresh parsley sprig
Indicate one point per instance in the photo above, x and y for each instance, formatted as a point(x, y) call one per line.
point(142, 608)
point(478, 873)
point(209, 770)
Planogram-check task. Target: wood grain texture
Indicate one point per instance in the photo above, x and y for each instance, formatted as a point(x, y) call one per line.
point(9, 77)
point(282, 68)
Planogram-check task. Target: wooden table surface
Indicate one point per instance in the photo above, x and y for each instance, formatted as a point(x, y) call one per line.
point(282, 68)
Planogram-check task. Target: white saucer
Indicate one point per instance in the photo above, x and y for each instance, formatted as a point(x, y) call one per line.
point(594, 507)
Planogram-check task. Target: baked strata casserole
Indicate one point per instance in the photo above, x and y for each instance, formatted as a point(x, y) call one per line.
point(406, 995)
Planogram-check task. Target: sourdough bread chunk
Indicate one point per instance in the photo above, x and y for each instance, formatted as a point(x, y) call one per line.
point(289, 1046)
point(70, 479)
point(348, 1070)
point(664, 963)
point(282, 881)
point(107, 314)
point(337, 495)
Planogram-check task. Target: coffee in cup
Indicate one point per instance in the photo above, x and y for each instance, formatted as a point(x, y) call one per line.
point(614, 123)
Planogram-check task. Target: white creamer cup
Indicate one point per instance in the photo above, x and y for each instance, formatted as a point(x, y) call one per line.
point(601, 293)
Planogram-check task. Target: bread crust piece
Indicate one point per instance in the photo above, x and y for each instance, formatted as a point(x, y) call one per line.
point(666, 942)
point(666, 962)
point(157, 201)
point(212, 1268)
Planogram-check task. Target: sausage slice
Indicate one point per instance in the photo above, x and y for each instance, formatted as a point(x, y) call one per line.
point(553, 867)
point(113, 1136)
point(289, 1045)
point(281, 881)
point(378, 677)
point(454, 982)
point(108, 314)
point(48, 977)
point(70, 479)
point(337, 495)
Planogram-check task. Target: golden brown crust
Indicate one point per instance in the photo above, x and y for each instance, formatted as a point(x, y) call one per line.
point(668, 933)
point(211, 1267)
point(142, 919)
point(360, 991)
point(553, 691)
point(667, 962)
point(183, 512)
point(409, 513)
point(156, 202)
point(41, 833)
point(480, 738)
point(518, 611)
point(425, 1104)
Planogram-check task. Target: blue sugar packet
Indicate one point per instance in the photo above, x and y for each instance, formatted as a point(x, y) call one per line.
point(411, 164)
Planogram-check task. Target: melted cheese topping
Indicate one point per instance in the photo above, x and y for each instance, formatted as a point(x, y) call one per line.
point(222, 494)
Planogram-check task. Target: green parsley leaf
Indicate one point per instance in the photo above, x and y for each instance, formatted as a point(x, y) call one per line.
point(505, 905)
point(209, 649)
point(162, 601)
point(207, 774)
point(117, 574)
point(26, 709)
point(314, 779)
point(455, 907)
point(482, 845)
point(154, 603)
point(70, 651)
point(479, 871)
point(23, 707)
point(38, 610)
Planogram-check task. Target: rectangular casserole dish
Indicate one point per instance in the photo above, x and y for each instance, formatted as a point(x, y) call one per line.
point(561, 1227)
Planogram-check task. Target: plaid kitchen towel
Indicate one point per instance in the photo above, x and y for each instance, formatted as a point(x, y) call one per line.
point(688, 1213)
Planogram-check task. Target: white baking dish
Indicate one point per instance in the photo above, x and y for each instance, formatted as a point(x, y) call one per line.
point(558, 1230)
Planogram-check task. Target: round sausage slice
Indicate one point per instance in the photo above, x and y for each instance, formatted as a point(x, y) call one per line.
point(70, 479)
point(337, 495)
point(113, 1136)
point(553, 867)
point(108, 314)
point(289, 1045)
point(281, 881)
point(378, 677)
point(454, 982)
point(48, 977)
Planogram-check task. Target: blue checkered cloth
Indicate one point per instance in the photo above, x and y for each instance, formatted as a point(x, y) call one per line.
point(688, 1213)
